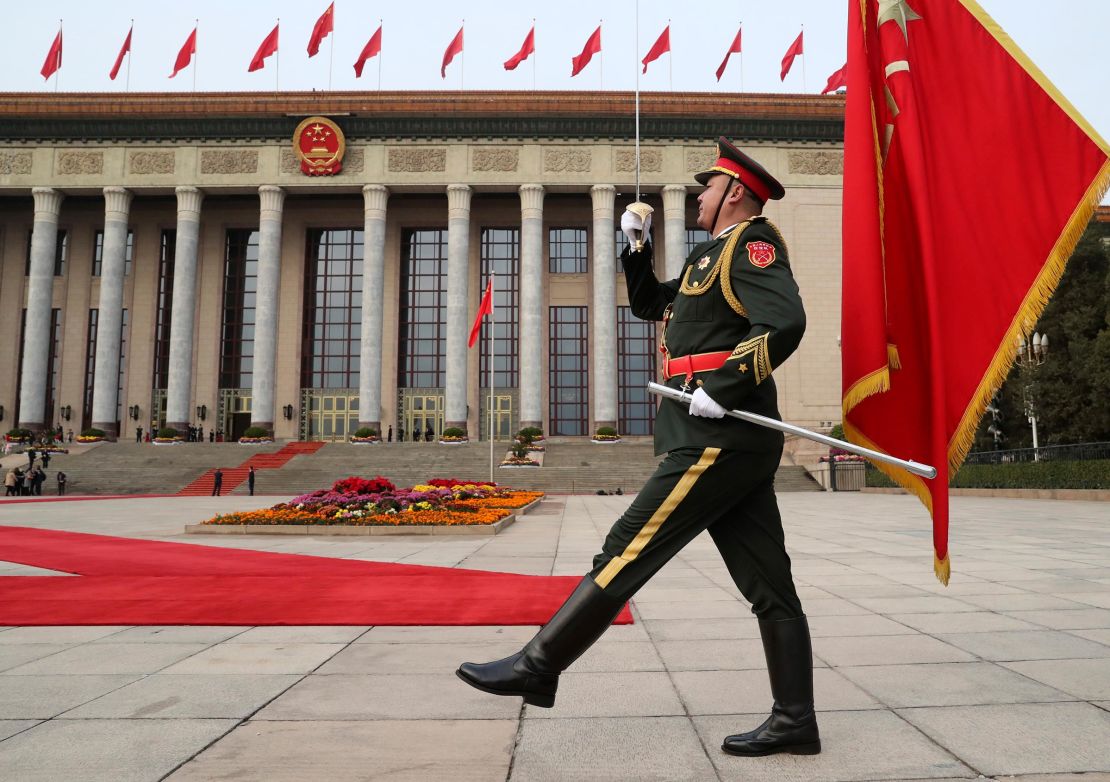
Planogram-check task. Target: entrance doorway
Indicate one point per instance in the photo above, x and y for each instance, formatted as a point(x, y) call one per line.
point(233, 416)
point(502, 417)
point(330, 415)
point(419, 412)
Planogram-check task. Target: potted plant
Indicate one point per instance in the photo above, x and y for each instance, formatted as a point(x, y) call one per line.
point(19, 436)
point(518, 455)
point(529, 435)
point(453, 435)
point(255, 435)
point(366, 435)
point(605, 434)
point(91, 436)
point(167, 435)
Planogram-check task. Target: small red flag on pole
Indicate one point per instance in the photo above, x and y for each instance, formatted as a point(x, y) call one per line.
point(837, 80)
point(269, 46)
point(185, 56)
point(734, 48)
point(788, 60)
point(122, 53)
point(592, 47)
point(53, 61)
point(372, 48)
point(661, 46)
point(324, 25)
point(485, 308)
point(529, 47)
point(453, 48)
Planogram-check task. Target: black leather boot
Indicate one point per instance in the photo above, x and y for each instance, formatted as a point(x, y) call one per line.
point(533, 672)
point(792, 726)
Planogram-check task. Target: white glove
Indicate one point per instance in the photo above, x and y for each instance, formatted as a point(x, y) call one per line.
point(702, 404)
point(634, 227)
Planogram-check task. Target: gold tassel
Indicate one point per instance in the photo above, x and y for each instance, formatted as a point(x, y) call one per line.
point(892, 357)
point(943, 568)
point(875, 382)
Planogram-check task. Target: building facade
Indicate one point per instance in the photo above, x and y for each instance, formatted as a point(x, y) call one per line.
point(165, 259)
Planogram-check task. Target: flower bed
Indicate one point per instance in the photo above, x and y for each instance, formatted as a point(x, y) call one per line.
point(453, 439)
point(255, 440)
point(164, 440)
point(357, 440)
point(519, 461)
point(89, 439)
point(358, 501)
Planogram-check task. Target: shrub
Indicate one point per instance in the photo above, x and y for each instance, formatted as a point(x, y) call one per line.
point(532, 432)
point(1092, 474)
point(100, 432)
point(520, 448)
point(20, 434)
point(256, 431)
point(606, 431)
point(454, 431)
point(366, 431)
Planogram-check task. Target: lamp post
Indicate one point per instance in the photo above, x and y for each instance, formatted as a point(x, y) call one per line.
point(1031, 354)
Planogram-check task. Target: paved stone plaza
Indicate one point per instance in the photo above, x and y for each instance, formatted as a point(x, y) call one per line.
point(1006, 672)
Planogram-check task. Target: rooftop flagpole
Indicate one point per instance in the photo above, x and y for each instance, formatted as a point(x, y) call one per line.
point(277, 60)
point(127, 86)
point(379, 60)
point(196, 54)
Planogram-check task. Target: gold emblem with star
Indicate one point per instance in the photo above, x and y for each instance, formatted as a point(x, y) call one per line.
point(703, 263)
point(319, 145)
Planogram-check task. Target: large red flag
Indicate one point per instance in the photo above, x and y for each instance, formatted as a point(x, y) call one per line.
point(185, 56)
point(324, 25)
point(659, 48)
point(734, 48)
point(837, 80)
point(372, 48)
point(943, 267)
point(485, 308)
point(453, 48)
point(788, 59)
point(529, 47)
point(53, 57)
point(268, 46)
point(122, 53)
point(592, 47)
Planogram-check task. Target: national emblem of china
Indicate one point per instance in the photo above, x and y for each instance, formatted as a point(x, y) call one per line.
point(319, 145)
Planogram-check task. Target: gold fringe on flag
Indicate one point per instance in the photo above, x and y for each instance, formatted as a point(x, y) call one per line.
point(942, 568)
point(872, 383)
point(892, 357)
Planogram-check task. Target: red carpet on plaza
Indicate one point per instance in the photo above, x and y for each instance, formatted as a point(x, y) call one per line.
point(120, 581)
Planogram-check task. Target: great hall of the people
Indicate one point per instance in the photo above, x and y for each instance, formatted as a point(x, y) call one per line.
point(213, 260)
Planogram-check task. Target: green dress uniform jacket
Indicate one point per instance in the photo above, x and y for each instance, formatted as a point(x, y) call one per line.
point(735, 294)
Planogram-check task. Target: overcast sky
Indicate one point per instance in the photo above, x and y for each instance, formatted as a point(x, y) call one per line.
point(1066, 39)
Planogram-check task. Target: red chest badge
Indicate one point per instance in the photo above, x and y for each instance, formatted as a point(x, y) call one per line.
point(761, 254)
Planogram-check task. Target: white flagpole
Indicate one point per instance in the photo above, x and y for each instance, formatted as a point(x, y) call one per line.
point(803, 56)
point(601, 61)
point(636, 67)
point(533, 53)
point(670, 58)
point(127, 87)
point(492, 362)
point(741, 57)
point(58, 70)
point(277, 59)
point(462, 55)
point(196, 54)
point(331, 54)
point(380, 54)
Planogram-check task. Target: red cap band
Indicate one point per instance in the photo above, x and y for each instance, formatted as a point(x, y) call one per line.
point(747, 178)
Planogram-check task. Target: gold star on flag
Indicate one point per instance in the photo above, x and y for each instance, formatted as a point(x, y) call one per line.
point(897, 11)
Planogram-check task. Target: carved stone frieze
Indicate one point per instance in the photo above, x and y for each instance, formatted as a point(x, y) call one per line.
point(566, 159)
point(149, 161)
point(650, 159)
point(354, 160)
point(415, 160)
point(496, 159)
point(289, 164)
point(229, 161)
point(75, 162)
point(699, 159)
point(15, 163)
point(815, 161)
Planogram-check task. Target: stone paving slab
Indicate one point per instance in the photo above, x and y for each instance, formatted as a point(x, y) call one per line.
point(164, 696)
point(57, 635)
point(636, 694)
point(886, 650)
point(949, 684)
point(170, 634)
point(1026, 645)
point(1086, 679)
point(9, 728)
point(13, 656)
point(257, 658)
point(729, 692)
point(109, 658)
point(43, 697)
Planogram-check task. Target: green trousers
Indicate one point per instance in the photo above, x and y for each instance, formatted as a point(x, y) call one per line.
point(731, 493)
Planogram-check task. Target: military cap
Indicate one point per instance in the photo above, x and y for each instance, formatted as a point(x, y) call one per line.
point(736, 164)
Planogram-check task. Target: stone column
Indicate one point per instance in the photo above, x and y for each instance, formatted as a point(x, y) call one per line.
point(40, 298)
point(458, 278)
point(674, 227)
point(531, 305)
point(603, 315)
point(266, 306)
point(105, 401)
point(374, 198)
point(180, 384)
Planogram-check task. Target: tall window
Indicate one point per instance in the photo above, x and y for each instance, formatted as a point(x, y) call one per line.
point(90, 367)
point(636, 352)
point(567, 250)
point(98, 254)
point(501, 255)
point(332, 309)
point(240, 291)
point(567, 370)
point(60, 251)
point(420, 360)
point(694, 237)
point(53, 359)
point(165, 310)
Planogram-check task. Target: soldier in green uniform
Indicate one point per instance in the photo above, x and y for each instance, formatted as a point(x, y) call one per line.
point(732, 316)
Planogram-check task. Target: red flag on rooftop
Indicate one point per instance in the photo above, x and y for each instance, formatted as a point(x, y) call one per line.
point(122, 53)
point(592, 47)
point(788, 59)
point(185, 56)
point(733, 48)
point(485, 308)
point(269, 46)
point(529, 47)
point(453, 48)
point(943, 268)
point(372, 48)
point(837, 80)
point(323, 27)
point(53, 61)
point(661, 46)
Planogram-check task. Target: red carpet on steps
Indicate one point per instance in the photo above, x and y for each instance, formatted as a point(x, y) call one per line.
point(234, 476)
point(120, 581)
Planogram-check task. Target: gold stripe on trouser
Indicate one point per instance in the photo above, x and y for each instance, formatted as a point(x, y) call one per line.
point(643, 537)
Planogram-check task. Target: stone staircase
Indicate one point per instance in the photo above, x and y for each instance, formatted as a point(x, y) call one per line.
point(571, 466)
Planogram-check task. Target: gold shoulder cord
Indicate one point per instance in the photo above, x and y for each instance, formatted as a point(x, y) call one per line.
point(726, 275)
point(724, 259)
